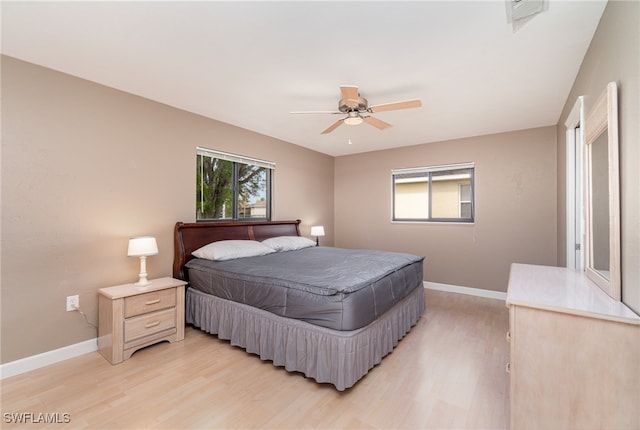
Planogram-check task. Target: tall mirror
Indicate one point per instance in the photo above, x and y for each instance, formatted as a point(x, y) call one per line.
point(603, 193)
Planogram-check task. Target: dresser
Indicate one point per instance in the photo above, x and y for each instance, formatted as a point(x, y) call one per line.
point(574, 353)
point(131, 317)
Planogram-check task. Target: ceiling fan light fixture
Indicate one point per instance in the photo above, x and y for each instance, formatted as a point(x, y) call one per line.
point(353, 119)
point(356, 120)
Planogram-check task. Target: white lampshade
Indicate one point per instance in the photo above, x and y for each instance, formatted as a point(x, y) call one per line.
point(142, 246)
point(317, 230)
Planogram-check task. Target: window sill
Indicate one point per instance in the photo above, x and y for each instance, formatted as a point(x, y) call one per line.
point(435, 222)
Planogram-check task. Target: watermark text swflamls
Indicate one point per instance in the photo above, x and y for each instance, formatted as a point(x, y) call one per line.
point(36, 418)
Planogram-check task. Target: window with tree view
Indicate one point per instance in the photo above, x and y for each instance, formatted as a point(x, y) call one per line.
point(437, 193)
point(232, 187)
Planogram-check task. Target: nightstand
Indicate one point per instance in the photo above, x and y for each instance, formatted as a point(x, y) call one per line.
point(130, 317)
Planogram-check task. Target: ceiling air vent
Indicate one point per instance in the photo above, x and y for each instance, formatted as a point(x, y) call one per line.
point(520, 11)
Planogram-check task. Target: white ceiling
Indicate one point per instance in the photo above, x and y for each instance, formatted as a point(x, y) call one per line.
point(251, 63)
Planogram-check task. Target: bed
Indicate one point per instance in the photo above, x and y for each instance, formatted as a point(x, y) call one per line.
point(331, 314)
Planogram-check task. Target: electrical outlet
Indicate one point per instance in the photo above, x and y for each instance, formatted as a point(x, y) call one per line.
point(73, 302)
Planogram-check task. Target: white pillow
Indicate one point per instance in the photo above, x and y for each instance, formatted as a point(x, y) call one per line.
point(230, 249)
point(288, 243)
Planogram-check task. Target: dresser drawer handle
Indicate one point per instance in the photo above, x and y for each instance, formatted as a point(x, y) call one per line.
point(509, 336)
point(152, 302)
point(507, 368)
point(152, 324)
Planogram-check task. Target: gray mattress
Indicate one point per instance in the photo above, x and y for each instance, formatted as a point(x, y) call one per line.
point(340, 289)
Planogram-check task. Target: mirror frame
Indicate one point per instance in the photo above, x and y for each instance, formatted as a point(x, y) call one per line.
point(604, 118)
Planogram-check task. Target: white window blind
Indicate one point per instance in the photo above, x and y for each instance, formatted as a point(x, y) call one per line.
point(235, 158)
point(438, 168)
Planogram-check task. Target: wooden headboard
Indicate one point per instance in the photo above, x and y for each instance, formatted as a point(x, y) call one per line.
point(187, 237)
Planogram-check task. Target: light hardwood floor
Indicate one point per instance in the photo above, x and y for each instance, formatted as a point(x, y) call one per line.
point(448, 372)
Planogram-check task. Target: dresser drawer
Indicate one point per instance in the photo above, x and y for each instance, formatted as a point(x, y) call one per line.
point(149, 302)
point(149, 324)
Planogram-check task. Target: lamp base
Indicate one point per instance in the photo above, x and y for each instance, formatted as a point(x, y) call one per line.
point(142, 283)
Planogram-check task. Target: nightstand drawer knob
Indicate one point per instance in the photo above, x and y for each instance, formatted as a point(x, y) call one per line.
point(152, 324)
point(152, 302)
point(507, 368)
point(508, 336)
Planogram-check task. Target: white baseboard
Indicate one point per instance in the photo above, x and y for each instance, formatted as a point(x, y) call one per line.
point(46, 358)
point(50, 357)
point(498, 295)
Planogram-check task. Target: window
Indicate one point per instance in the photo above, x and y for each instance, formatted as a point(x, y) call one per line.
point(437, 193)
point(465, 201)
point(232, 187)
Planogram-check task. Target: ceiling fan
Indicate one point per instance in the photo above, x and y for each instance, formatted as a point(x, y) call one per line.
point(357, 110)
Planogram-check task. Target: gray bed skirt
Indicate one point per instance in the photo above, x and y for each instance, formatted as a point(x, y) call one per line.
point(340, 358)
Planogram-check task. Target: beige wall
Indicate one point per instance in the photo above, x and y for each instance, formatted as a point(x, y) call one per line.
point(614, 55)
point(84, 167)
point(515, 186)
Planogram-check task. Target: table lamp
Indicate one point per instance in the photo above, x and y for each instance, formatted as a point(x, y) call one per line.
point(317, 230)
point(142, 247)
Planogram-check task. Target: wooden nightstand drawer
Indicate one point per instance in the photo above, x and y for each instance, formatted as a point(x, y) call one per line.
point(149, 302)
point(148, 324)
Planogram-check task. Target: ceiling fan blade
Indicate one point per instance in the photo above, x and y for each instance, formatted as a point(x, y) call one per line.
point(377, 123)
point(406, 104)
point(333, 126)
point(350, 95)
